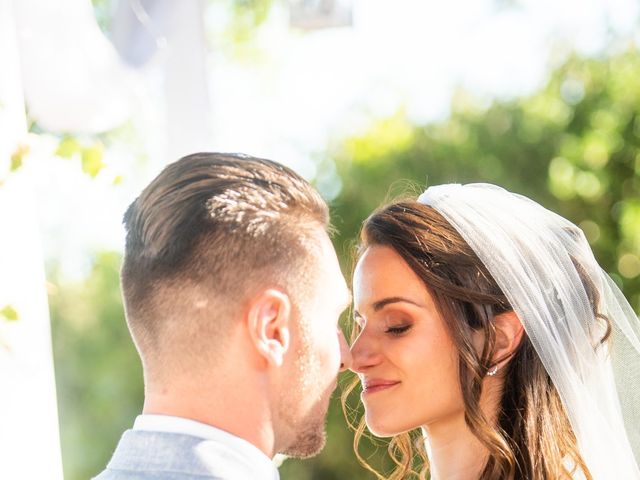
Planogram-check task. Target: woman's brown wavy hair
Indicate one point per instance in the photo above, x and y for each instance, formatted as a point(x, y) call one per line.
point(532, 438)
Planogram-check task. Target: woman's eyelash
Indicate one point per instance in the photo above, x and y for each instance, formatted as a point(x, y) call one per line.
point(398, 330)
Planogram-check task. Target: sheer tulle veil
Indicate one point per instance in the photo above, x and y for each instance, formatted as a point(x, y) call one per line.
point(540, 260)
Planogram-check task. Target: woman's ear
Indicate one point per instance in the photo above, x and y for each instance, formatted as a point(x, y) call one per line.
point(509, 331)
point(268, 323)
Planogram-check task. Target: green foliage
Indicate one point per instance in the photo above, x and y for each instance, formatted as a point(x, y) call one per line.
point(103, 10)
point(92, 159)
point(17, 158)
point(91, 154)
point(233, 27)
point(68, 147)
point(247, 16)
point(98, 372)
point(9, 313)
point(574, 147)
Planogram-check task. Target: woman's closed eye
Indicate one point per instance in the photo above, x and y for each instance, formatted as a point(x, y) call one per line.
point(398, 330)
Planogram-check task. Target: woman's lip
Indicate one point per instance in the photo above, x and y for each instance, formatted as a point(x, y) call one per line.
point(378, 386)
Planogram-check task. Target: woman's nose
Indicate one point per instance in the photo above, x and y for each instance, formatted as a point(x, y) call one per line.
point(363, 353)
point(345, 353)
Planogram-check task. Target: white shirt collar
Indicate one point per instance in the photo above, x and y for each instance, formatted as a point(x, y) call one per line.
point(171, 424)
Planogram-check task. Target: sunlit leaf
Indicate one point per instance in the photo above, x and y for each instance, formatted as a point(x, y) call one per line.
point(17, 158)
point(92, 159)
point(68, 147)
point(9, 313)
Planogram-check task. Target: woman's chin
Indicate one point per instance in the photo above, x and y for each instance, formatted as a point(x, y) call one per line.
point(383, 429)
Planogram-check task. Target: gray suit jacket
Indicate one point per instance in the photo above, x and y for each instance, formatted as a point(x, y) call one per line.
point(146, 455)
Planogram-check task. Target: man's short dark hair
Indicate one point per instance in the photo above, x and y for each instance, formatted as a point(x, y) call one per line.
point(214, 224)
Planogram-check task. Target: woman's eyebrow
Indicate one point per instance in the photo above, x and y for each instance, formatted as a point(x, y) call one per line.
point(380, 304)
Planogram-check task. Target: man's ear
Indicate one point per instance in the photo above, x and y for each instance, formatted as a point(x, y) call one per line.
point(268, 323)
point(509, 333)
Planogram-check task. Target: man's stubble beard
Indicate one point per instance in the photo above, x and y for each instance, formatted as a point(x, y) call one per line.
point(308, 431)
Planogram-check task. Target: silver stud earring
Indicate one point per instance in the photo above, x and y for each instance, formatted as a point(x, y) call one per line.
point(492, 371)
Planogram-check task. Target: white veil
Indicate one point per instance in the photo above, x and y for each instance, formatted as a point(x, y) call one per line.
point(540, 260)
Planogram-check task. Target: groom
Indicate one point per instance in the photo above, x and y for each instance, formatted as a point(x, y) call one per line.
point(232, 293)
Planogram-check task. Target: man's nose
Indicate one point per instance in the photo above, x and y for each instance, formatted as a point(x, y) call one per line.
point(345, 352)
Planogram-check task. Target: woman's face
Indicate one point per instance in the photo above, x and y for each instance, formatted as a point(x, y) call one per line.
point(404, 356)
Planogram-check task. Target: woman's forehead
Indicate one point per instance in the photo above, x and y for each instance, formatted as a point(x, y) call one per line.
point(381, 271)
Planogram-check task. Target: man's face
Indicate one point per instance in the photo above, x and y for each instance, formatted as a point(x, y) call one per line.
point(318, 349)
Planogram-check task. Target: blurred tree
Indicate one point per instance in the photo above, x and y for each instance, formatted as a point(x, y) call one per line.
point(98, 372)
point(574, 147)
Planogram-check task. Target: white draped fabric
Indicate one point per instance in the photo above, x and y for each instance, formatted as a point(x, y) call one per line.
point(29, 439)
point(74, 80)
point(55, 59)
point(545, 267)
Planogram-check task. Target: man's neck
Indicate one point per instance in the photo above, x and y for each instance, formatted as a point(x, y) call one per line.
point(243, 414)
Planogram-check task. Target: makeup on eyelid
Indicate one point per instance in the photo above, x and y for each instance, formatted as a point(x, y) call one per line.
point(393, 327)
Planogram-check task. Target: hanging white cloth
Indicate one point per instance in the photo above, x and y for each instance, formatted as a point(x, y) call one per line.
point(73, 78)
point(546, 269)
point(29, 439)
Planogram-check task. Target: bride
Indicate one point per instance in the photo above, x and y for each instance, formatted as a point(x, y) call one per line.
point(483, 320)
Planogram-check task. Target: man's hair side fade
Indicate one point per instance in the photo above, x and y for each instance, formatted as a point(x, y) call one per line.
point(207, 228)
